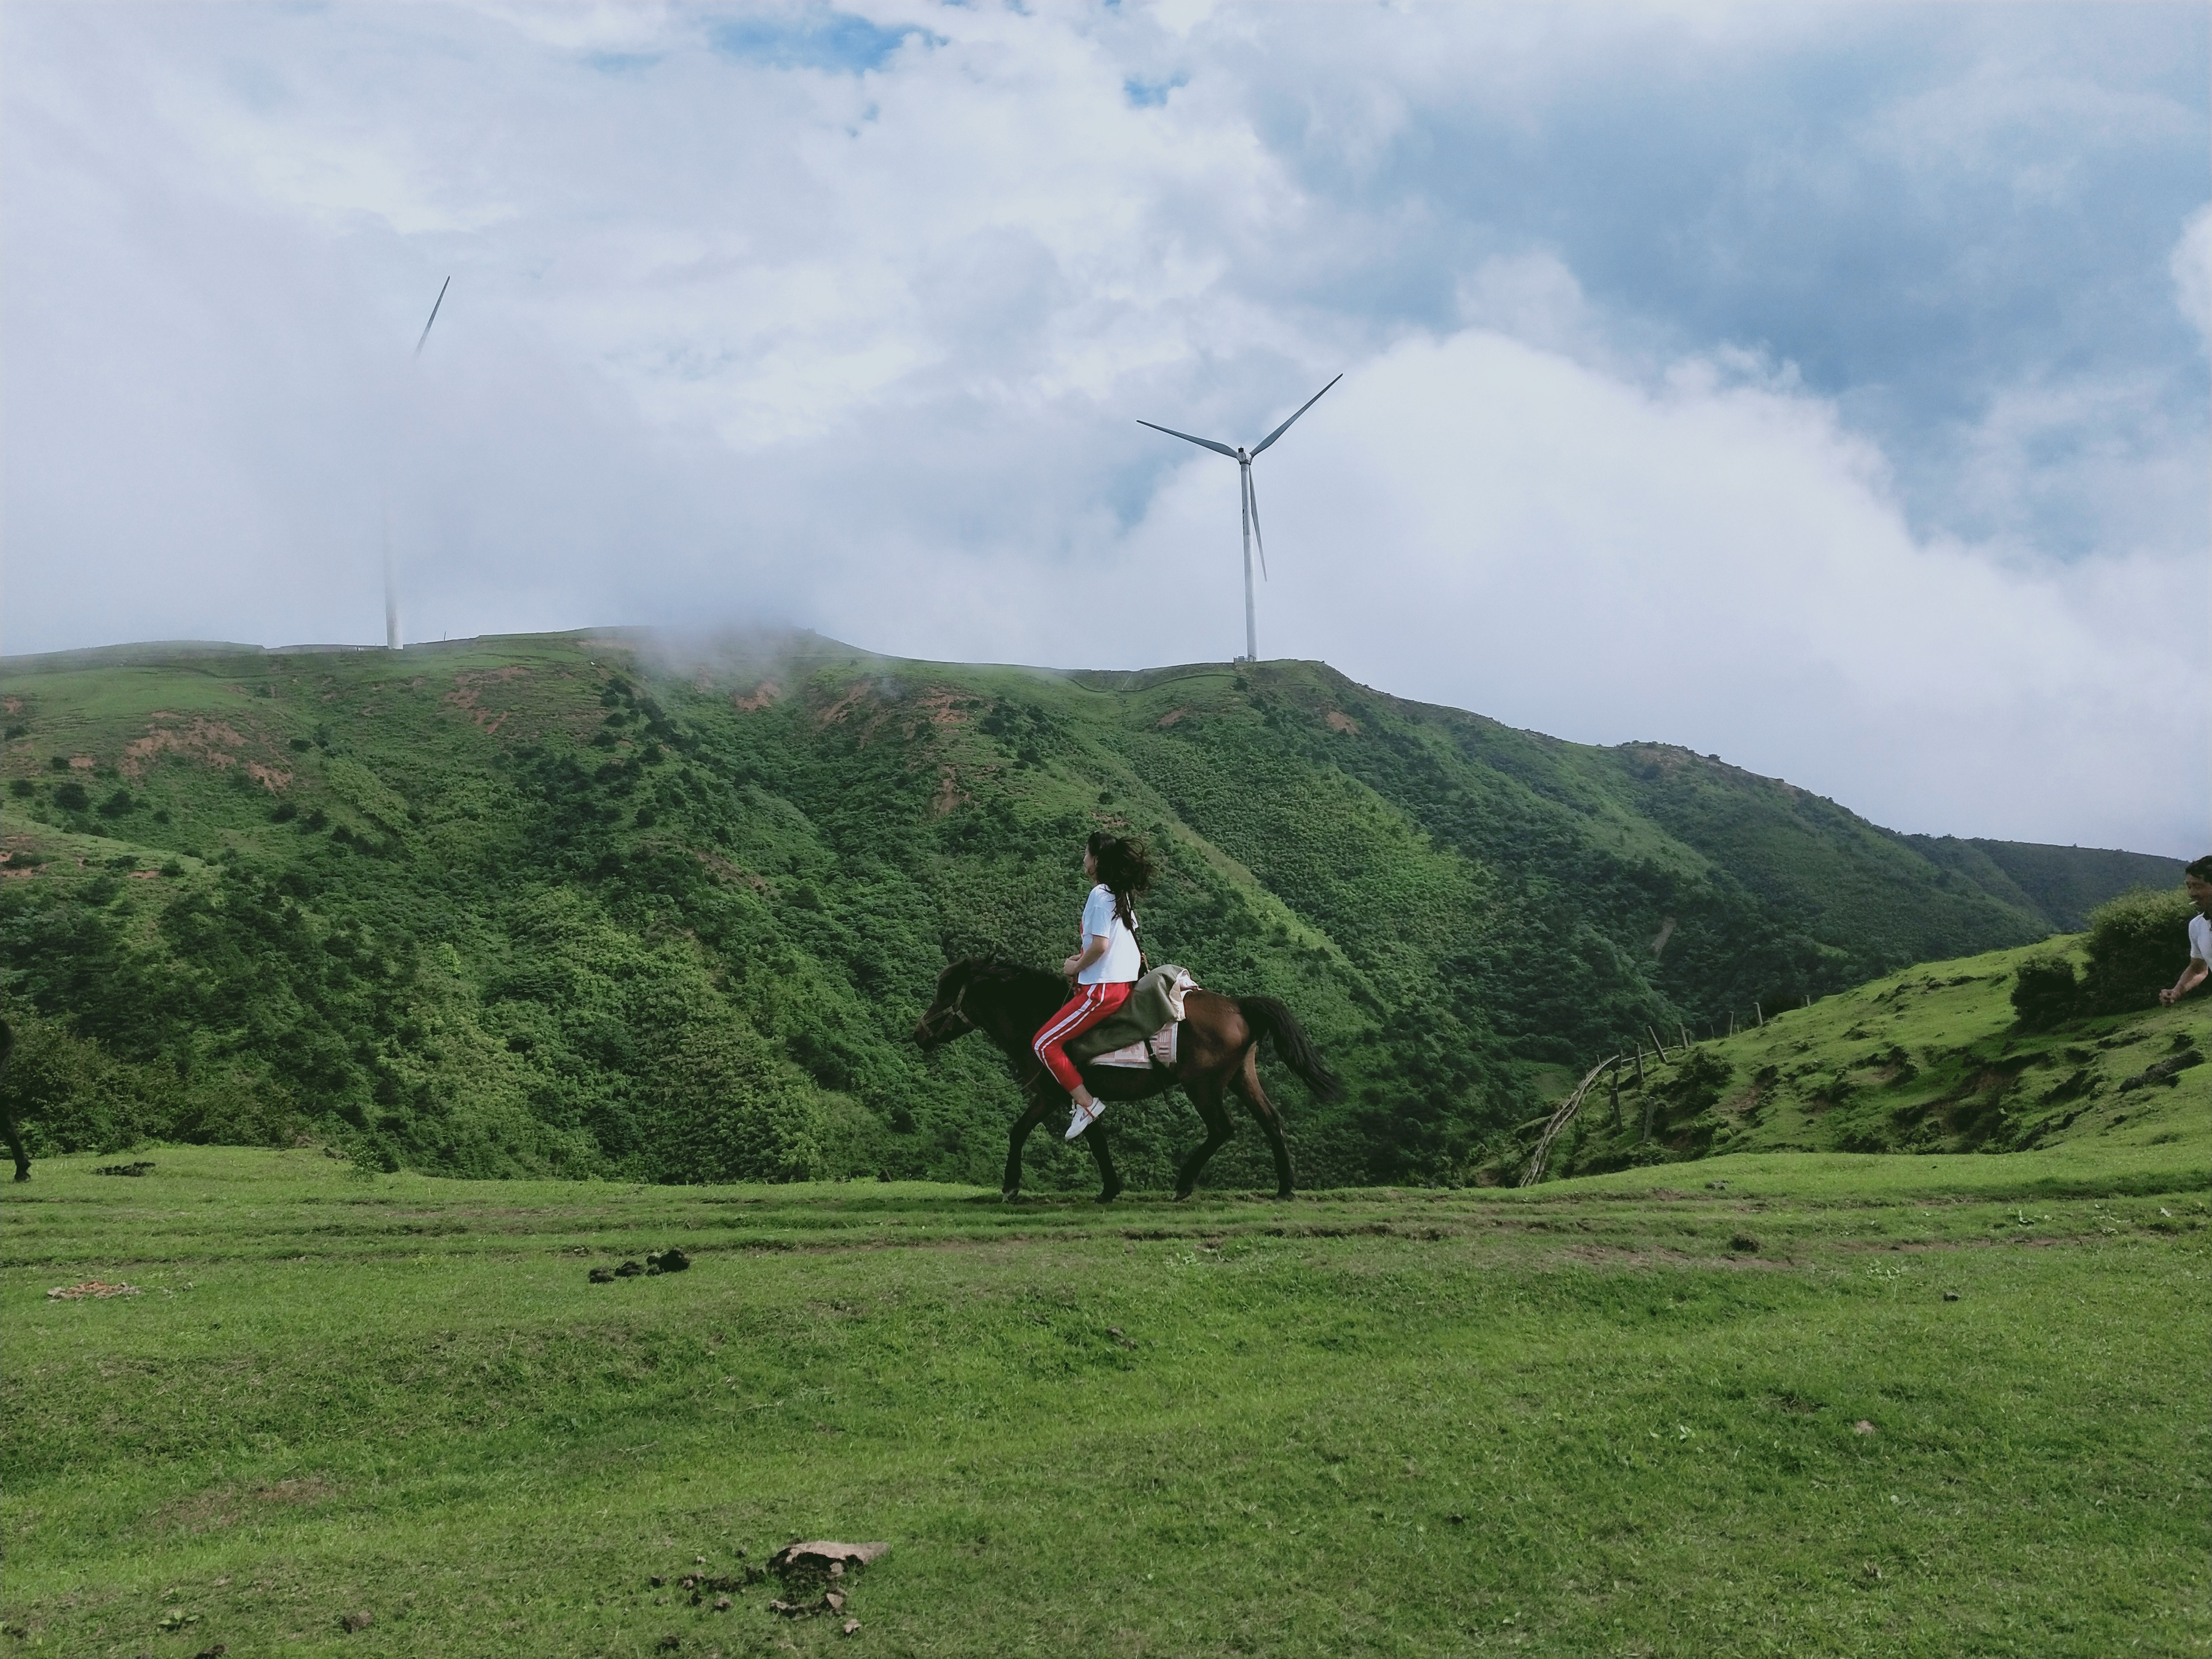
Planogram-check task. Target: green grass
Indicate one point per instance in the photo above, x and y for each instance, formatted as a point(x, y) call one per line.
point(344, 1390)
point(1928, 1060)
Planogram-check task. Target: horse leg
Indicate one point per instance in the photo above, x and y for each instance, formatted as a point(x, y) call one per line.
point(1010, 1187)
point(7, 1114)
point(1109, 1178)
point(1205, 1095)
point(1246, 1083)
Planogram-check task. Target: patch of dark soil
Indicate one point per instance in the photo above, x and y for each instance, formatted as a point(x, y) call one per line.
point(673, 1260)
point(2165, 1074)
point(141, 1168)
point(817, 1575)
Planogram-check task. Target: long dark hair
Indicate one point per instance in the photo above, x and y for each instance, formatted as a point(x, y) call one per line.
point(1125, 867)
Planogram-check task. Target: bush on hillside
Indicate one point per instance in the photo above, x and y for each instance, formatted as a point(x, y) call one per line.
point(2138, 944)
point(2045, 992)
point(72, 1095)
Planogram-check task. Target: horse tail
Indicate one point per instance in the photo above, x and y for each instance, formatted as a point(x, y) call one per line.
point(1269, 1019)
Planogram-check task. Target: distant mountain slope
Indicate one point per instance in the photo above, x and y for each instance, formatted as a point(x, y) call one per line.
point(584, 902)
point(2062, 884)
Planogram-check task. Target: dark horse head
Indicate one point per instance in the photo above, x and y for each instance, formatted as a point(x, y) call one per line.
point(1003, 1000)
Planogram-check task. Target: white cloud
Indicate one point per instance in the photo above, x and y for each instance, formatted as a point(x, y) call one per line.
point(2191, 265)
point(1478, 522)
point(862, 345)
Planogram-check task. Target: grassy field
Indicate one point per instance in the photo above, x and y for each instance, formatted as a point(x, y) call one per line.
point(1929, 1060)
point(1730, 1406)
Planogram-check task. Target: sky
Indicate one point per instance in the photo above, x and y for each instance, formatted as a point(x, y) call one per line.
point(1822, 388)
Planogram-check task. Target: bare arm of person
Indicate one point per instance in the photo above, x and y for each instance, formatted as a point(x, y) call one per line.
point(2191, 977)
point(1093, 948)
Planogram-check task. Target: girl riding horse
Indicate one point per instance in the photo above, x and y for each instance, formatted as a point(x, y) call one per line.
point(1102, 970)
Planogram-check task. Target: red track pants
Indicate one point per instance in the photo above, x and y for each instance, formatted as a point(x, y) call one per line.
point(1092, 1004)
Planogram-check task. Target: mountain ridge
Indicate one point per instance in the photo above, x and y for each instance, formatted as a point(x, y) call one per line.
point(611, 899)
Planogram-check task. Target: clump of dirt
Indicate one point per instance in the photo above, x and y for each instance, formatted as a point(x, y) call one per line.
point(2165, 1074)
point(140, 1168)
point(817, 1574)
point(91, 1288)
point(673, 1260)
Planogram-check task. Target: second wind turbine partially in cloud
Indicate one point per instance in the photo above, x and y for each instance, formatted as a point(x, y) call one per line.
point(1244, 458)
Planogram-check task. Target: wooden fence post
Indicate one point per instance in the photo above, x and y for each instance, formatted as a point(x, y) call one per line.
point(1758, 1013)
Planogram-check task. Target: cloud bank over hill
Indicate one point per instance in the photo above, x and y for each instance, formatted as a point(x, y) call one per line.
point(1825, 388)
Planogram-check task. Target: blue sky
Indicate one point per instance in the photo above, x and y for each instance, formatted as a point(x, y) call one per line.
point(1825, 387)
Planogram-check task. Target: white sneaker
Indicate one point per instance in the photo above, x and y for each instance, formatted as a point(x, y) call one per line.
point(1083, 1119)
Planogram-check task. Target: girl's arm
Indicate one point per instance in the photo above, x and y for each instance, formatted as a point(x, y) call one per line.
point(1093, 948)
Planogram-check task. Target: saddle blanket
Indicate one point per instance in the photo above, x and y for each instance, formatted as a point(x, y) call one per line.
point(1158, 1049)
point(1142, 1032)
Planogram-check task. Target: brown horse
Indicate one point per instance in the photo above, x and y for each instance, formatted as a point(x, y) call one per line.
point(1215, 1054)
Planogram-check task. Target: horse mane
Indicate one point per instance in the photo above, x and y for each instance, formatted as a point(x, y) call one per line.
point(1013, 985)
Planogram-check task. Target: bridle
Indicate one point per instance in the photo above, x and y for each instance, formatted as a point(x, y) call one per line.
point(933, 1024)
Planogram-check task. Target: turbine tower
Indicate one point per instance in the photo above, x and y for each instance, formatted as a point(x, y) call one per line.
point(390, 584)
point(1244, 458)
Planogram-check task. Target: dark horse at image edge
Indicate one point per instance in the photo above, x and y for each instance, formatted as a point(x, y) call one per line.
point(8, 1124)
point(1217, 1055)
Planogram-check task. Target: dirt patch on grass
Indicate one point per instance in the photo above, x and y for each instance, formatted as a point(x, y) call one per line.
point(949, 794)
point(752, 701)
point(845, 705)
point(1340, 721)
point(210, 742)
point(225, 1506)
point(1169, 717)
point(729, 872)
point(1626, 1256)
point(469, 690)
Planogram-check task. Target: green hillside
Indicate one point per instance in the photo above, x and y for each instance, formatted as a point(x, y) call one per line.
point(577, 905)
point(1931, 1060)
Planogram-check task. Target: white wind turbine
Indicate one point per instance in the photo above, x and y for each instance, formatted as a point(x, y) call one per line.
point(1244, 458)
point(391, 586)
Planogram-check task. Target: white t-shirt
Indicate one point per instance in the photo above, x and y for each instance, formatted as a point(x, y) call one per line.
point(1119, 965)
point(2200, 940)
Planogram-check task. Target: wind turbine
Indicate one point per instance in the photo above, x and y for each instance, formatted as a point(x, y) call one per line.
point(1244, 458)
point(391, 586)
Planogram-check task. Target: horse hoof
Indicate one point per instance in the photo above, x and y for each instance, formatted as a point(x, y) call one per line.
point(1183, 1193)
point(1284, 1192)
point(23, 1174)
point(1108, 1196)
point(1010, 1195)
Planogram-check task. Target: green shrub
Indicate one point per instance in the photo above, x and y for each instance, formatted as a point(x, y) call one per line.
point(2046, 994)
point(2138, 944)
point(70, 1095)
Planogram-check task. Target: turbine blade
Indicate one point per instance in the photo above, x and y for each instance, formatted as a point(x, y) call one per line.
point(1203, 443)
point(1286, 426)
point(439, 300)
point(1252, 506)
